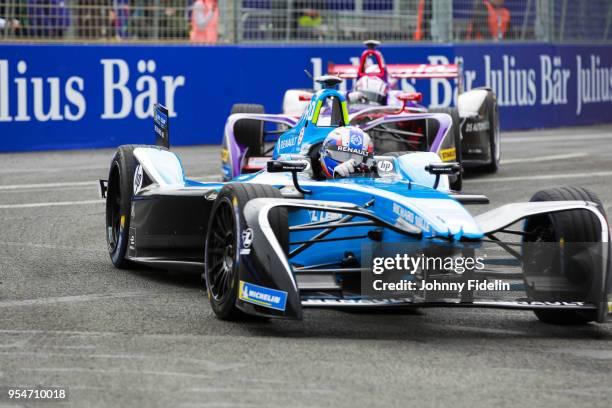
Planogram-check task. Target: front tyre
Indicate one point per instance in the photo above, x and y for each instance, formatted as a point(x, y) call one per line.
point(492, 110)
point(224, 240)
point(577, 226)
point(118, 203)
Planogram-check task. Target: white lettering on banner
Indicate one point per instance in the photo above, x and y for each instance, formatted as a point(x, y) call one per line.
point(513, 86)
point(22, 94)
point(51, 99)
point(75, 97)
point(46, 96)
point(553, 81)
point(110, 86)
point(147, 86)
point(593, 84)
point(436, 83)
point(146, 89)
point(4, 95)
point(39, 100)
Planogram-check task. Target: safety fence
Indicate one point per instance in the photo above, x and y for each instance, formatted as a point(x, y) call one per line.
point(305, 21)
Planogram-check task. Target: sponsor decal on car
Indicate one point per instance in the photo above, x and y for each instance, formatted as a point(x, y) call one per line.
point(384, 166)
point(211, 195)
point(262, 296)
point(477, 126)
point(352, 150)
point(138, 178)
point(224, 155)
point(285, 143)
point(405, 215)
point(319, 216)
point(247, 238)
point(448, 154)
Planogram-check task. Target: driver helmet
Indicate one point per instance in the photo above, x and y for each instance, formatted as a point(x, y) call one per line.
point(373, 88)
point(343, 144)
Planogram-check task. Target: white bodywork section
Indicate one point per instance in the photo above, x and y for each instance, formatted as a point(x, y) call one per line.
point(469, 103)
point(508, 214)
point(292, 105)
point(413, 164)
point(162, 167)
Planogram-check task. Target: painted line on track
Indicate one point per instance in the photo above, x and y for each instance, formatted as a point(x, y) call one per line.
point(540, 177)
point(544, 158)
point(68, 299)
point(91, 183)
point(49, 185)
point(557, 138)
point(51, 204)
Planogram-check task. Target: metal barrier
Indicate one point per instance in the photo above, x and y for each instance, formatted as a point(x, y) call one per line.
point(303, 21)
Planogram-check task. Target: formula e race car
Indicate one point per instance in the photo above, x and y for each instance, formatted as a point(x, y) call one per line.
point(475, 118)
point(252, 138)
point(277, 241)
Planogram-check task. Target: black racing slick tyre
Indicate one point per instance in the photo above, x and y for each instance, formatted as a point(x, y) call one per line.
point(492, 110)
point(118, 203)
point(578, 227)
point(456, 182)
point(224, 240)
point(249, 133)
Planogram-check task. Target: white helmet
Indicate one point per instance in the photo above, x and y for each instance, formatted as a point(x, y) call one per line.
point(373, 88)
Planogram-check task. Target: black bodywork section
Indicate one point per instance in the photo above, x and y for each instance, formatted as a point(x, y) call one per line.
point(170, 228)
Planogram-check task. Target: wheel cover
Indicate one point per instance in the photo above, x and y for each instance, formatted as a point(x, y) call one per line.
point(221, 252)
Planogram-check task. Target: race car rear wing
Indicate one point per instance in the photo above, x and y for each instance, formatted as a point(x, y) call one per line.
point(416, 71)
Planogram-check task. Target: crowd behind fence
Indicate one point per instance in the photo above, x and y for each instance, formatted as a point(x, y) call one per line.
point(300, 21)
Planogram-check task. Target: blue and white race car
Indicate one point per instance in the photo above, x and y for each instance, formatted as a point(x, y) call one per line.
point(274, 242)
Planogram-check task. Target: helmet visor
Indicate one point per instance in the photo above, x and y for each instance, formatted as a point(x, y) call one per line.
point(344, 156)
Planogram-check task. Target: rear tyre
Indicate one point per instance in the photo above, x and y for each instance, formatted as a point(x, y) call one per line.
point(568, 226)
point(249, 133)
point(494, 134)
point(119, 202)
point(224, 240)
point(456, 182)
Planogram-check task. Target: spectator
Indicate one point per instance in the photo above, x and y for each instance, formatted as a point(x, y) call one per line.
point(120, 17)
point(10, 25)
point(141, 19)
point(490, 20)
point(204, 20)
point(48, 18)
point(172, 21)
point(423, 27)
point(307, 20)
point(93, 19)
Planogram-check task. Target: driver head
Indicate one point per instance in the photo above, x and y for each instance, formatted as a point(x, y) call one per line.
point(343, 144)
point(373, 88)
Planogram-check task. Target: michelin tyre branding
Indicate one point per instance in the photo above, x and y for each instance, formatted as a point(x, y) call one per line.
point(262, 296)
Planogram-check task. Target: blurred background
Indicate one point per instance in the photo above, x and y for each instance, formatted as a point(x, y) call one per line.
point(285, 21)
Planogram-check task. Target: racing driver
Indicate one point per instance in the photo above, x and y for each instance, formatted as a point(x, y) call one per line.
point(346, 150)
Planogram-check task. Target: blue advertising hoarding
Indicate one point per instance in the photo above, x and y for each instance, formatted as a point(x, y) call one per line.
point(87, 96)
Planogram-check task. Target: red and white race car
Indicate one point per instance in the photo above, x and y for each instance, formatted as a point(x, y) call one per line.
point(475, 118)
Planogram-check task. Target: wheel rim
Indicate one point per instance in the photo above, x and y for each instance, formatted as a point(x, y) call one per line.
point(221, 252)
point(113, 218)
